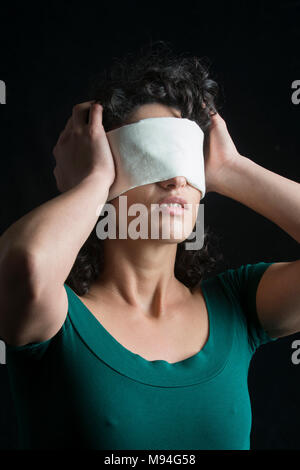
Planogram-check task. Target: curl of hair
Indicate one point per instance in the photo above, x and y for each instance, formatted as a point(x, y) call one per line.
point(157, 75)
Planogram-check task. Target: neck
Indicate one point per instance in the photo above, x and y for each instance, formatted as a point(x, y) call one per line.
point(140, 275)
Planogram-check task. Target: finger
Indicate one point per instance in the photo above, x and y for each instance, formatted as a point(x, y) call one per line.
point(80, 112)
point(95, 116)
point(219, 121)
point(217, 117)
point(215, 120)
point(66, 130)
point(69, 124)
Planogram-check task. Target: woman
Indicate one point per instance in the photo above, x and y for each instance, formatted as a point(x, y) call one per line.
point(121, 343)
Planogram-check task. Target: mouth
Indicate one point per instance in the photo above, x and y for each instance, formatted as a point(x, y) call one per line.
point(174, 205)
point(175, 200)
point(172, 209)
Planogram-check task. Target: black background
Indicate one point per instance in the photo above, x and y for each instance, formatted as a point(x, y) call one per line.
point(49, 53)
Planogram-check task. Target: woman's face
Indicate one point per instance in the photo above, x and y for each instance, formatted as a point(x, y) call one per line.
point(160, 223)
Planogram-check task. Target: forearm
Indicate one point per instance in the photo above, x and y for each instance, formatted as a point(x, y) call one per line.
point(53, 233)
point(269, 194)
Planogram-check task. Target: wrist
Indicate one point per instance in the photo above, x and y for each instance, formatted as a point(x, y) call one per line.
point(98, 178)
point(230, 172)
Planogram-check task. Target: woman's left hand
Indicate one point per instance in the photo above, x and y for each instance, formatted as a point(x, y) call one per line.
point(219, 153)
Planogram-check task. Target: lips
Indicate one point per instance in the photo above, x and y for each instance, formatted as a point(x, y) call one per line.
point(174, 200)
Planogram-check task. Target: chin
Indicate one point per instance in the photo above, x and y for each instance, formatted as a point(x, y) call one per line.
point(174, 234)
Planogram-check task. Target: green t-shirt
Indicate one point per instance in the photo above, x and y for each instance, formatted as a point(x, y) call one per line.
point(82, 389)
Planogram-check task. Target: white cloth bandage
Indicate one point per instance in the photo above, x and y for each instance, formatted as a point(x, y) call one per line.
point(156, 149)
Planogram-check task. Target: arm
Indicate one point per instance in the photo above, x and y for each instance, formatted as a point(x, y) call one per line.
point(50, 236)
point(276, 198)
point(39, 250)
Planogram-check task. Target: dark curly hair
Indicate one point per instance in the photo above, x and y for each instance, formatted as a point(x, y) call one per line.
point(158, 75)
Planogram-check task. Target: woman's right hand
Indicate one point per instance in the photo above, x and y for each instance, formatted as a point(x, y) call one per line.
point(82, 148)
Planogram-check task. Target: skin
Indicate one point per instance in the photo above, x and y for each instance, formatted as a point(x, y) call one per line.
point(137, 291)
point(140, 273)
point(144, 277)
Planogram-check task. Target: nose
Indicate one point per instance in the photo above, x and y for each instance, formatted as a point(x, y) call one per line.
point(175, 182)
